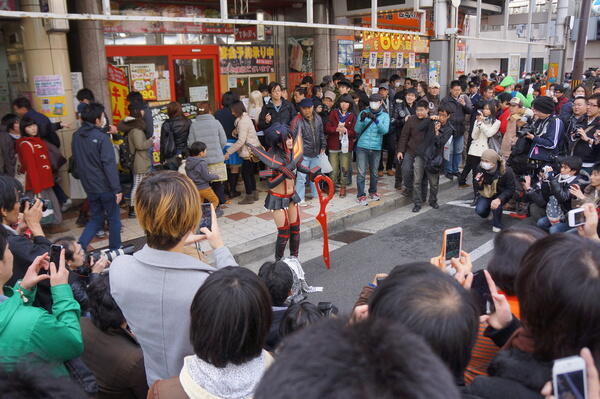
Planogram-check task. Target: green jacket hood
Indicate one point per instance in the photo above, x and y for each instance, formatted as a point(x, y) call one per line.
point(507, 81)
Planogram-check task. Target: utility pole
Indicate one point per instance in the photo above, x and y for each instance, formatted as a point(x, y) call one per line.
point(528, 63)
point(584, 17)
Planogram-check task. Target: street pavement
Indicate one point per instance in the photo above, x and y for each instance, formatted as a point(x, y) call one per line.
point(392, 239)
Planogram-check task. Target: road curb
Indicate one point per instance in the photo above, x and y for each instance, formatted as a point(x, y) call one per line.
point(262, 247)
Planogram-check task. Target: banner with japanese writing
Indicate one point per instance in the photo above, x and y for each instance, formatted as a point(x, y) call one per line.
point(246, 59)
point(117, 85)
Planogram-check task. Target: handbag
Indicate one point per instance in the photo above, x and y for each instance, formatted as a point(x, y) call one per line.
point(56, 158)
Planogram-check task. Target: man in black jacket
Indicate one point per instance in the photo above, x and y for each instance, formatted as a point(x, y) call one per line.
point(96, 167)
point(459, 105)
point(582, 133)
point(46, 129)
point(277, 110)
point(24, 249)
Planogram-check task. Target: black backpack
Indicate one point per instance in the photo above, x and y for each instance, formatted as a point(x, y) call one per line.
point(434, 159)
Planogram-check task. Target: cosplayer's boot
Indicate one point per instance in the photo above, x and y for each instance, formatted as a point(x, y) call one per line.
point(283, 235)
point(295, 239)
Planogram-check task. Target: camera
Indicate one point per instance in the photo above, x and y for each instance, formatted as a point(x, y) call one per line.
point(23, 200)
point(527, 128)
point(110, 255)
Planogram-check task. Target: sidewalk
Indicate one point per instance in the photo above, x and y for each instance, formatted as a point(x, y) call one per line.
point(249, 230)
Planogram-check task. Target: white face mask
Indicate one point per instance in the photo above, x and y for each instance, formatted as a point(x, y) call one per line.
point(564, 177)
point(397, 84)
point(102, 121)
point(487, 165)
point(374, 105)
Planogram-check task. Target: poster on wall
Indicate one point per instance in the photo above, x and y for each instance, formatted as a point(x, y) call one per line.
point(345, 56)
point(411, 60)
point(246, 59)
point(119, 89)
point(373, 60)
point(399, 60)
point(301, 54)
point(50, 91)
point(143, 79)
point(198, 94)
point(434, 71)
point(387, 59)
point(460, 59)
point(514, 65)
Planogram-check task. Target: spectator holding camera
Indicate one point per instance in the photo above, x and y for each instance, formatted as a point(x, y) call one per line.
point(557, 287)
point(28, 332)
point(591, 193)
point(167, 209)
point(510, 246)
point(24, 249)
point(111, 350)
point(495, 184)
point(556, 192)
point(432, 305)
point(547, 133)
point(517, 118)
point(230, 319)
point(81, 273)
point(583, 138)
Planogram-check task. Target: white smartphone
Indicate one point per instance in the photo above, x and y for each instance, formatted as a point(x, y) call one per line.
point(569, 378)
point(576, 217)
point(452, 244)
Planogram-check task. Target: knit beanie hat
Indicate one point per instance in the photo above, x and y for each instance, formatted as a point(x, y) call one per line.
point(544, 104)
point(491, 156)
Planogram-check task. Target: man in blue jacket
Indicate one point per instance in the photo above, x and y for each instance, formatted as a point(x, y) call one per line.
point(548, 133)
point(373, 123)
point(96, 167)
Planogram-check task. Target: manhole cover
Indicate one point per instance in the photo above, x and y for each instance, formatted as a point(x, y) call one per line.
point(349, 236)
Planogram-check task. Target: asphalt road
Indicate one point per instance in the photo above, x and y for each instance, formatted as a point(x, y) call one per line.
point(414, 239)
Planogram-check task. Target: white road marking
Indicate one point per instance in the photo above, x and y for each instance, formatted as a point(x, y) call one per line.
point(482, 250)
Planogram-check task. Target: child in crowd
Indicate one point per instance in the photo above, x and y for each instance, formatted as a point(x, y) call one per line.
point(197, 169)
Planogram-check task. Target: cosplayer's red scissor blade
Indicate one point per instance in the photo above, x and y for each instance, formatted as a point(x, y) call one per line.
point(322, 216)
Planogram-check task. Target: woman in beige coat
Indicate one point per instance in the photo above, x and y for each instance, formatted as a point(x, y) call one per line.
point(246, 134)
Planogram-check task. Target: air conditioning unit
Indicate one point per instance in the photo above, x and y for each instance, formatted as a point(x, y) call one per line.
point(55, 7)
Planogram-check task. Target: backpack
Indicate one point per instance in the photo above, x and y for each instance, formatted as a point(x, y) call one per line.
point(167, 145)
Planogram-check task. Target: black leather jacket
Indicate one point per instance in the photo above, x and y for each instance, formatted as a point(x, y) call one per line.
point(173, 137)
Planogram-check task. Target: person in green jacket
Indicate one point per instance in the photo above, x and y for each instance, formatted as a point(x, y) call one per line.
point(509, 86)
point(31, 334)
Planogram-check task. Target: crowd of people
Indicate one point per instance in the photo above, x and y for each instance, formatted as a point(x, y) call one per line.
point(162, 323)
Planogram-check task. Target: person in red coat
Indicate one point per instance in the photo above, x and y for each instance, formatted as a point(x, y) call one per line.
point(35, 162)
point(340, 141)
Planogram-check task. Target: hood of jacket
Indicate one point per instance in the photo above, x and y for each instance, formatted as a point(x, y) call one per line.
point(205, 117)
point(130, 123)
point(192, 162)
point(507, 81)
point(88, 129)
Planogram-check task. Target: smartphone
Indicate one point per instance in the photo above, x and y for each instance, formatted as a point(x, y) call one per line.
point(55, 255)
point(452, 244)
point(576, 217)
point(379, 281)
point(569, 378)
point(206, 219)
point(481, 291)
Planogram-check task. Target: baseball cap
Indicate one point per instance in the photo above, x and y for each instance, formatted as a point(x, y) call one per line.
point(330, 95)
point(516, 101)
point(305, 103)
point(435, 85)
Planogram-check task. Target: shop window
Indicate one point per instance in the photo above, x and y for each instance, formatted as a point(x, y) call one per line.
point(148, 75)
point(244, 85)
point(194, 82)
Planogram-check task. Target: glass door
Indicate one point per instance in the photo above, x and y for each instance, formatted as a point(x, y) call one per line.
point(194, 80)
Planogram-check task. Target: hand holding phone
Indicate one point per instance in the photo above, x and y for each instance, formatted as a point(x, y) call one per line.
point(576, 217)
point(452, 244)
point(206, 219)
point(55, 255)
point(569, 378)
point(482, 293)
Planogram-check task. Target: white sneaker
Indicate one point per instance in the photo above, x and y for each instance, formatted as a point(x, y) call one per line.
point(304, 203)
point(363, 200)
point(496, 229)
point(101, 234)
point(65, 207)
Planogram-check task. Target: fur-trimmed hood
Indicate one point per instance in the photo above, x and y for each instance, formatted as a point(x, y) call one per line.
point(130, 123)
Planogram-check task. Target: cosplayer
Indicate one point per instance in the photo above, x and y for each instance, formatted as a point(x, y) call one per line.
point(283, 160)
